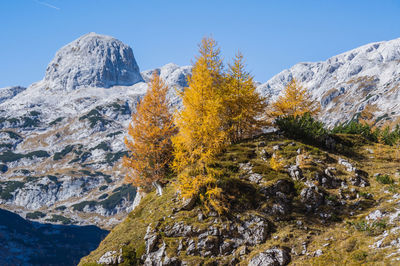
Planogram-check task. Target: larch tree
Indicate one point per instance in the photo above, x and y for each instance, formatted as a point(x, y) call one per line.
point(149, 144)
point(201, 135)
point(245, 107)
point(295, 101)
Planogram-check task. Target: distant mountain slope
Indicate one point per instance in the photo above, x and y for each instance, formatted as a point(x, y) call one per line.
point(346, 83)
point(31, 243)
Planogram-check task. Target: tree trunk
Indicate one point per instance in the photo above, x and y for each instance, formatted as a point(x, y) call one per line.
point(158, 187)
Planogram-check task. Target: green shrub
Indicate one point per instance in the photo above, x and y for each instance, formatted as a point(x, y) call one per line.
point(302, 127)
point(384, 179)
point(61, 208)
point(354, 127)
point(59, 155)
point(103, 187)
point(35, 215)
point(102, 146)
point(59, 218)
point(56, 121)
point(370, 228)
point(6, 188)
point(105, 195)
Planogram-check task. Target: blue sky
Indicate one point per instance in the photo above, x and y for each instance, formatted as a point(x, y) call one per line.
point(273, 35)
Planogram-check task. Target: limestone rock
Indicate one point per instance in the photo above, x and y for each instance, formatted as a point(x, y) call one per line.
point(271, 257)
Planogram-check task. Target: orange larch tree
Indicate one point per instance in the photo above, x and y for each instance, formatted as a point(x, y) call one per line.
point(295, 101)
point(244, 106)
point(149, 142)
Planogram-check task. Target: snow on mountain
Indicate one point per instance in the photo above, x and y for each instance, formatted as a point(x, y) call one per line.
point(9, 92)
point(346, 83)
point(93, 60)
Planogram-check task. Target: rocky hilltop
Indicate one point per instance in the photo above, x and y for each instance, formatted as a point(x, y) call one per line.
point(333, 207)
point(346, 83)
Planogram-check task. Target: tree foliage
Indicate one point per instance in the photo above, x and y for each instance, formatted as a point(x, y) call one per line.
point(149, 145)
point(295, 101)
point(303, 127)
point(245, 107)
point(200, 136)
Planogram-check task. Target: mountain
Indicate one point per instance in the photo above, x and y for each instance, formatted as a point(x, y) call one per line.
point(61, 139)
point(346, 83)
point(93, 60)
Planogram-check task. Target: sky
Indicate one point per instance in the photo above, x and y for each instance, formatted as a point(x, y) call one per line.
point(272, 35)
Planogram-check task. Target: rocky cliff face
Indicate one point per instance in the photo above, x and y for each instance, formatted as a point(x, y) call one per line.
point(346, 83)
point(93, 60)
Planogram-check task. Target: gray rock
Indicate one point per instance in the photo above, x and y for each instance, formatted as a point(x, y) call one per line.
point(271, 257)
point(347, 164)
point(188, 203)
point(295, 172)
point(312, 198)
point(155, 258)
point(256, 178)
point(93, 60)
point(178, 230)
point(111, 258)
point(359, 181)
point(151, 239)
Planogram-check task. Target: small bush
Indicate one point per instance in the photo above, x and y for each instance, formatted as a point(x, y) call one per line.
point(61, 208)
point(59, 218)
point(35, 215)
point(302, 127)
point(59, 155)
point(384, 179)
point(103, 187)
point(370, 228)
point(354, 127)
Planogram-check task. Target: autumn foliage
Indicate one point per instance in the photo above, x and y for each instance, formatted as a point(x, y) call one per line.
point(149, 143)
point(200, 135)
point(245, 107)
point(295, 101)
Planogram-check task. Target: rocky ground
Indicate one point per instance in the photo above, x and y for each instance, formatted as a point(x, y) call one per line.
point(323, 206)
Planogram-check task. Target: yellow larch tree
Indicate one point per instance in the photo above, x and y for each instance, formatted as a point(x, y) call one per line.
point(149, 142)
point(200, 135)
point(295, 101)
point(245, 107)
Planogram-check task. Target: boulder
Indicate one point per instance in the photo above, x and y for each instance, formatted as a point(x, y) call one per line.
point(271, 257)
point(312, 198)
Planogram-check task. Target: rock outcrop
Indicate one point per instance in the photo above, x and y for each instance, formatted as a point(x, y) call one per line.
point(93, 60)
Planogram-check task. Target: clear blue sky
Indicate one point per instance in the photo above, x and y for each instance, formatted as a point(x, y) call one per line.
point(273, 35)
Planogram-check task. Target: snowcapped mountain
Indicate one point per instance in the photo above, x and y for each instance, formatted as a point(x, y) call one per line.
point(61, 139)
point(93, 60)
point(346, 83)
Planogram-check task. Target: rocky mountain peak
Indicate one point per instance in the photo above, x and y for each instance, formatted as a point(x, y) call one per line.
point(93, 60)
point(344, 84)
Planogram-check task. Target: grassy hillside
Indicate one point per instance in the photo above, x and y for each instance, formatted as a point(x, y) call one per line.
point(333, 208)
